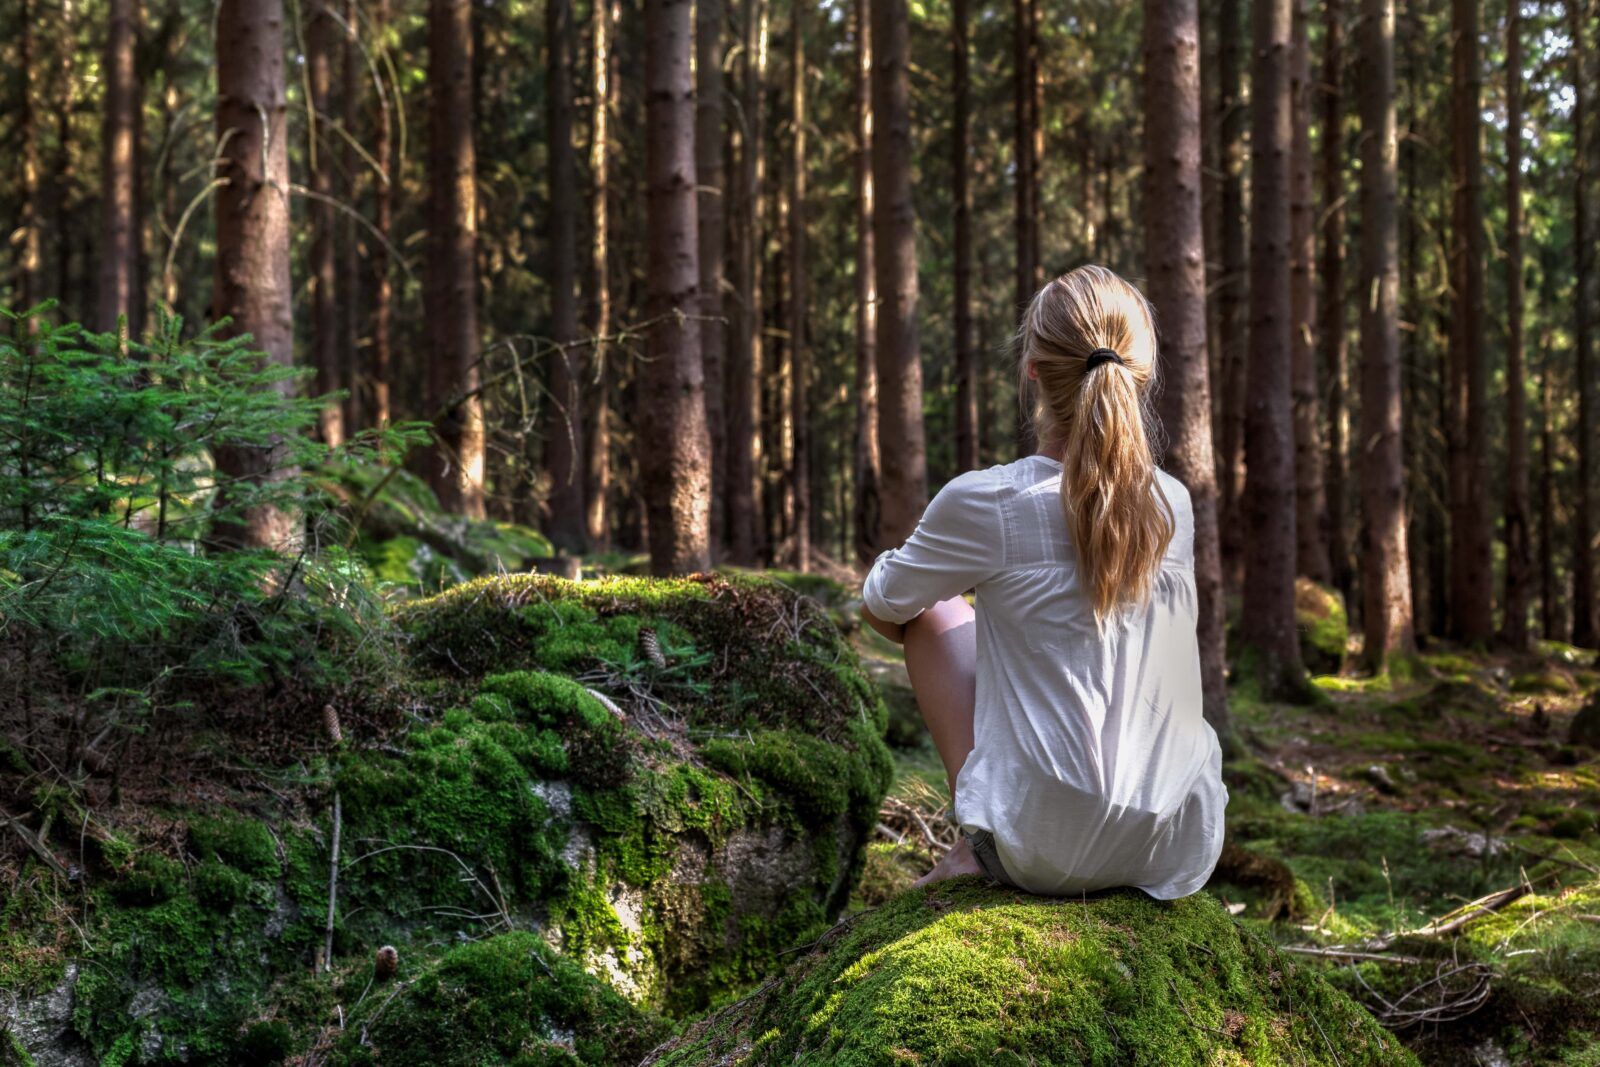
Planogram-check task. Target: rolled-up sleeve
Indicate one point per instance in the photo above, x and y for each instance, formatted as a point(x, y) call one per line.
point(959, 542)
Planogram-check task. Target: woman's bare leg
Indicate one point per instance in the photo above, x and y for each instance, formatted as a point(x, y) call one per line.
point(942, 660)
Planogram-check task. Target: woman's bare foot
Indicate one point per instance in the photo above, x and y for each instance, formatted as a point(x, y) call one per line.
point(958, 861)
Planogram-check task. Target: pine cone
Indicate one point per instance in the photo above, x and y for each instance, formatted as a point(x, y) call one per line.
point(386, 964)
point(652, 646)
point(330, 722)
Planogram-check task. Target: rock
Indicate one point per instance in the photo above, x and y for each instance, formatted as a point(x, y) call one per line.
point(962, 973)
point(1324, 629)
point(1464, 842)
point(1379, 776)
point(1585, 728)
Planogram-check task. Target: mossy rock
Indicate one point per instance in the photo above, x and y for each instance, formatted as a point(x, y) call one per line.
point(966, 974)
point(669, 784)
point(506, 999)
point(1324, 629)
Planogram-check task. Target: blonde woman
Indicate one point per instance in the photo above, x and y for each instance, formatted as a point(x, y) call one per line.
point(1066, 706)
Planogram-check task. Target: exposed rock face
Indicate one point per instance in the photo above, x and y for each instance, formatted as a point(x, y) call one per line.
point(961, 973)
point(644, 827)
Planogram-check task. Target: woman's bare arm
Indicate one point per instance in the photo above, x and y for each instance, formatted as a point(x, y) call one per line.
point(894, 631)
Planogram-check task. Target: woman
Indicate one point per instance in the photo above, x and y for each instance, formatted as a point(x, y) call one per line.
point(1067, 706)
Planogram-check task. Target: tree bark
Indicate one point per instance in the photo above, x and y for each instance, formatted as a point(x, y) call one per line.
point(1232, 286)
point(961, 147)
point(1584, 630)
point(1175, 267)
point(322, 41)
point(597, 447)
point(1311, 542)
point(1519, 549)
point(900, 436)
point(1471, 565)
point(1386, 579)
point(356, 415)
point(450, 296)
point(743, 487)
point(710, 17)
point(675, 460)
point(566, 521)
point(380, 356)
point(252, 219)
point(1026, 191)
point(119, 292)
point(28, 281)
point(1268, 627)
point(867, 505)
point(1549, 602)
point(799, 311)
point(1331, 336)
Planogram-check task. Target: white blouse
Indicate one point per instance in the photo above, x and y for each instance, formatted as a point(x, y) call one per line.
point(1092, 766)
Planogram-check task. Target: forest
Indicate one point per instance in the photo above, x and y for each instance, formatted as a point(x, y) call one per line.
point(442, 441)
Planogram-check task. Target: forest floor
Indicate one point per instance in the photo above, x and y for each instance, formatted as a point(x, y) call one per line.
point(1430, 842)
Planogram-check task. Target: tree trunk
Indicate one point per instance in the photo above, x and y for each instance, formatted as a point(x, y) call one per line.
point(1471, 566)
point(1232, 287)
point(1584, 630)
point(450, 296)
point(1027, 192)
point(252, 263)
point(1549, 603)
point(710, 17)
point(120, 292)
point(597, 448)
point(380, 356)
point(28, 282)
point(322, 40)
point(356, 415)
point(1519, 549)
point(867, 503)
point(1332, 332)
point(565, 521)
point(961, 147)
point(1175, 268)
point(799, 312)
point(1386, 579)
point(1311, 547)
point(675, 460)
point(900, 439)
point(744, 374)
point(1268, 626)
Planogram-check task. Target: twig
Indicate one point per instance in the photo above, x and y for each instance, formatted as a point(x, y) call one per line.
point(333, 883)
point(1351, 954)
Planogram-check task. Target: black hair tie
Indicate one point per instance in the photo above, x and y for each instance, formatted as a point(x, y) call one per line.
point(1099, 356)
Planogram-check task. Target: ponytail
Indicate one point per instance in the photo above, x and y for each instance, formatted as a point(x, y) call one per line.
point(1089, 338)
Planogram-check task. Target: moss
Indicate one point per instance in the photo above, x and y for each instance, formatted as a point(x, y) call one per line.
point(508, 998)
point(1324, 630)
point(241, 842)
point(963, 974)
point(12, 1054)
point(1545, 681)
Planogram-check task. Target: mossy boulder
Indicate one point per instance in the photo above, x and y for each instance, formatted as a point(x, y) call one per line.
point(662, 784)
point(966, 974)
point(1324, 629)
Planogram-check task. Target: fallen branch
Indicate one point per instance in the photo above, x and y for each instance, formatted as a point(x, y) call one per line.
point(38, 846)
point(1352, 954)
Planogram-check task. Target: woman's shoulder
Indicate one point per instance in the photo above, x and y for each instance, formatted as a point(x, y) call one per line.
point(1176, 492)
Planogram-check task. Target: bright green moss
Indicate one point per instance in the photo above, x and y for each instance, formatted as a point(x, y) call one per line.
point(963, 974)
point(1324, 629)
point(239, 841)
point(1546, 681)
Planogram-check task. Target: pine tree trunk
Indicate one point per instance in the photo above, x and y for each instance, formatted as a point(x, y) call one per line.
point(1175, 268)
point(1584, 631)
point(566, 521)
point(1471, 566)
point(866, 467)
point(799, 470)
point(63, 178)
point(961, 147)
point(900, 436)
point(1311, 548)
point(1332, 333)
point(322, 39)
point(1268, 627)
point(1233, 287)
point(380, 357)
point(1386, 581)
point(1550, 627)
point(710, 17)
point(1026, 191)
point(597, 407)
point(450, 296)
point(745, 513)
point(356, 415)
point(28, 282)
point(120, 292)
point(1519, 550)
point(675, 459)
point(252, 226)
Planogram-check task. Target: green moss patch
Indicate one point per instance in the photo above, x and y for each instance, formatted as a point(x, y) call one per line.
point(964, 974)
point(1324, 629)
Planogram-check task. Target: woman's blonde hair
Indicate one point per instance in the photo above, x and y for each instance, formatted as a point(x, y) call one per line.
point(1094, 408)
